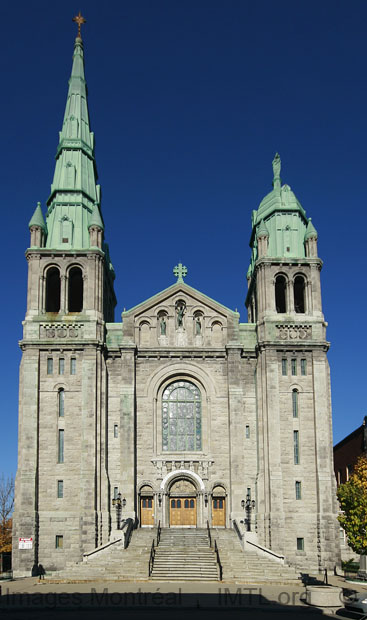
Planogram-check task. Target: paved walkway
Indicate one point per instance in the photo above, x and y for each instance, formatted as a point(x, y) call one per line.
point(29, 598)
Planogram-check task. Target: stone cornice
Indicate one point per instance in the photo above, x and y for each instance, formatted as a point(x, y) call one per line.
point(72, 253)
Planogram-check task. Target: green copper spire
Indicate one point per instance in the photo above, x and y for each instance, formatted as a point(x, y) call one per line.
point(311, 230)
point(37, 218)
point(74, 190)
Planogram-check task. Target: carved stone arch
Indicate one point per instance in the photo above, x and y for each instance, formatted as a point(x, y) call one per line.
point(216, 320)
point(73, 264)
point(218, 489)
point(182, 486)
point(162, 310)
point(146, 489)
point(299, 273)
point(188, 370)
point(182, 474)
point(296, 386)
point(180, 297)
point(60, 386)
point(144, 320)
point(281, 273)
point(198, 309)
point(144, 332)
point(49, 266)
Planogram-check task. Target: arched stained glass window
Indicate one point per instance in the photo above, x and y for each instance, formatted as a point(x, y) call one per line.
point(181, 417)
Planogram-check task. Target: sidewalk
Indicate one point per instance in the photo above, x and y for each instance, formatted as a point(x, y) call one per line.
point(33, 599)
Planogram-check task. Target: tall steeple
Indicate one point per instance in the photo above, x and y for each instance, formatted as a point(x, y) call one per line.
point(74, 190)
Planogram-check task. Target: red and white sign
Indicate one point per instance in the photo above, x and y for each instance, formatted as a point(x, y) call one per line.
point(25, 543)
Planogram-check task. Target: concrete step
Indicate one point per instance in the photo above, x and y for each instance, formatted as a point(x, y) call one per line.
point(184, 555)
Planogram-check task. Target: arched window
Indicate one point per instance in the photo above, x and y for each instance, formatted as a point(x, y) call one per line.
point(144, 328)
point(295, 403)
point(217, 334)
point(61, 397)
point(198, 323)
point(181, 417)
point(299, 294)
point(75, 290)
point(53, 290)
point(280, 294)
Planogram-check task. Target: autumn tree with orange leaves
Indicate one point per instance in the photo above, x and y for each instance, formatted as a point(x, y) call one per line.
point(6, 509)
point(352, 496)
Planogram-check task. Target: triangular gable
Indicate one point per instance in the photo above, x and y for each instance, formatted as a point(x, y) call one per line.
point(173, 290)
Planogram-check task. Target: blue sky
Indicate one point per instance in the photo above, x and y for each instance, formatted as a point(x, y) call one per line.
point(189, 101)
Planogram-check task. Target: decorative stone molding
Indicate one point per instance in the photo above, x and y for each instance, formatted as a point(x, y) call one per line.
point(294, 332)
point(197, 466)
point(61, 330)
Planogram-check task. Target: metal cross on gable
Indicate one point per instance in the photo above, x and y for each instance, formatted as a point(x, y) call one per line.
point(180, 271)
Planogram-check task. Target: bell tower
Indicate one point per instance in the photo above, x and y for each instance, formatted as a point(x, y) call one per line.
point(295, 473)
point(61, 482)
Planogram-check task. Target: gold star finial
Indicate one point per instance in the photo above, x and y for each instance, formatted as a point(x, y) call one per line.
point(79, 19)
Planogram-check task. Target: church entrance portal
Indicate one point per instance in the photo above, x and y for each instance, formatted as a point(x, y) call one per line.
point(182, 504)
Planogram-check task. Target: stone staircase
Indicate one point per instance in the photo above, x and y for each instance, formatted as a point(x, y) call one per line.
point(114, 563)
point(184, 555)
point(246, 566)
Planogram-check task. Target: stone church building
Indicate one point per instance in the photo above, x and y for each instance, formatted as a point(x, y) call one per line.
point(181, 412)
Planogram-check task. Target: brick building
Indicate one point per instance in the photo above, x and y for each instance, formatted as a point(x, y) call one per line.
point(347, 451)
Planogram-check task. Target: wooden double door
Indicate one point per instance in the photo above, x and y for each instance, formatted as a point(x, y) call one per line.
point(182, 511)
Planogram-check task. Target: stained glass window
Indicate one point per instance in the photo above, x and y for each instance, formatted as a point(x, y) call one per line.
point(181, 417)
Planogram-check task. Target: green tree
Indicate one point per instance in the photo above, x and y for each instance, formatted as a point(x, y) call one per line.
point(352, 496)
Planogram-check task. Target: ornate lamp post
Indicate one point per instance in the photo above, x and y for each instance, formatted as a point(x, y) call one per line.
point(118, 503)
point(248, 506)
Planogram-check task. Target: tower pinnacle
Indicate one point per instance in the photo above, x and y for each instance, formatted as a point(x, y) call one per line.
point(79, 19)
point(74, 190)
point(277, 164)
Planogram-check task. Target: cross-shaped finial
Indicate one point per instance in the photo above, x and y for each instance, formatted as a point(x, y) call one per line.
point(79, 19)
point(180, 271)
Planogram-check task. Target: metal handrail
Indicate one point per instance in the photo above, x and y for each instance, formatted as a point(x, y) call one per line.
point(209, 534)
point(151, 558)
point(218, 561)
point(237, 529)
point(159, 530)
point(128, 532)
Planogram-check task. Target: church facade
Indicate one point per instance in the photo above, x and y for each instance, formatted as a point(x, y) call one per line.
point(179, 412)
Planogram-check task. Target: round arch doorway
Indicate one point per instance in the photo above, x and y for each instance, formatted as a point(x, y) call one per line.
point(182, 504)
